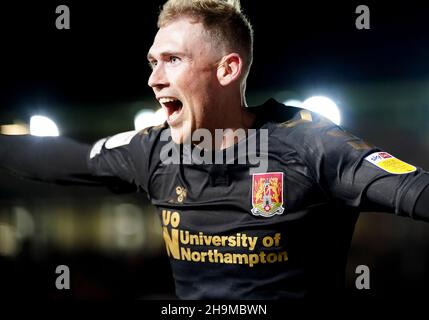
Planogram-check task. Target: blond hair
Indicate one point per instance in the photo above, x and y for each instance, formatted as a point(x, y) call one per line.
point(223, 20)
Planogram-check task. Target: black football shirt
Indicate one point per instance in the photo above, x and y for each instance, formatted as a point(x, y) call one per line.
point(284, 233)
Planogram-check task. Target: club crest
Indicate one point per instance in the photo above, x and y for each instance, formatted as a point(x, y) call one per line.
point(267, 194)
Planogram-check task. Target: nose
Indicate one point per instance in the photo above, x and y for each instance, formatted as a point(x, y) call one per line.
point(158, 78)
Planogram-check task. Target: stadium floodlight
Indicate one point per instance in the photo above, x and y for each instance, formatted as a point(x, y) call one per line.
point(14, 129)
point(43, 127)
point(147, 117)
point(293, 103)
point(160, 116)
point(324, 106)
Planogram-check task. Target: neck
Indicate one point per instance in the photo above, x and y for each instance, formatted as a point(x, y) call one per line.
point(231, 122)
point(228, 135)
point(240, 120)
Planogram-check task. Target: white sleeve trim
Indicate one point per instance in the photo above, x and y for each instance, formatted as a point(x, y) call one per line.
point(96, 149)
point(120, 139)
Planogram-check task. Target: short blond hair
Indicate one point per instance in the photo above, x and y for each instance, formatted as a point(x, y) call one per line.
point(223, 19)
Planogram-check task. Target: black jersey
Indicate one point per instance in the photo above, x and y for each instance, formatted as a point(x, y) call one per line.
point(281, 233)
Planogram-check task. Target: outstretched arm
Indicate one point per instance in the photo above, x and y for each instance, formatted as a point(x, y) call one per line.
point(120, 162)
point(422, 205)
point(51, 159)
point(360, 175)
point(410, 194)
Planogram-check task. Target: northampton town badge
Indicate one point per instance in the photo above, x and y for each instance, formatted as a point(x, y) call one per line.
point(267, 194)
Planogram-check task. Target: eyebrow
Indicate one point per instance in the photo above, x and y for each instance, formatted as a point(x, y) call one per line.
point(166, 54)
point(149, 56)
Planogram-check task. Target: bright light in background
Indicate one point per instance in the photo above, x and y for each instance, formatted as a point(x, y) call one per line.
point(14, 129)
point(24, 223)
point(147, 118)
point(43, 127)
point(8, 241)
point(160, 116)
point(324, 106)
point(293, 103)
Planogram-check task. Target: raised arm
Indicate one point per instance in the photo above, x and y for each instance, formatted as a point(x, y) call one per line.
point(360, 175)
point(50, 159)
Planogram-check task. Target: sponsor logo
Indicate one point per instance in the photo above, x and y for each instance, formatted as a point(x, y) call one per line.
point(389, 163)
point(181, 194)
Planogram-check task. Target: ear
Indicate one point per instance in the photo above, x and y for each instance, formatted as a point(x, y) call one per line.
point(229, 69)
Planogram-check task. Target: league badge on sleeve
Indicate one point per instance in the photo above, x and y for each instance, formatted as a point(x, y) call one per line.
point(267, 194)
point(389, 163)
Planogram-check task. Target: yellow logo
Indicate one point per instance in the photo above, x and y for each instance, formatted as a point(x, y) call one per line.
point(181, 194)
point(389, 163)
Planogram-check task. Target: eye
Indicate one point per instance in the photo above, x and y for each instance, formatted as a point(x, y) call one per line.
point(152, 64)
point(174, 59)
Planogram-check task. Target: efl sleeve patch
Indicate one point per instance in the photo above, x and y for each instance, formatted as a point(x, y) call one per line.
point(389, 163)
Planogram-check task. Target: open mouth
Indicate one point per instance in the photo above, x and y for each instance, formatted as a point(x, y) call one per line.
point(173, 107)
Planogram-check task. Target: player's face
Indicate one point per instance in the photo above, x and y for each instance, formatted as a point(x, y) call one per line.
point(183, 78)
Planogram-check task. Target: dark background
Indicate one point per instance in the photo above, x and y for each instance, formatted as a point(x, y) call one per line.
point(92, 79)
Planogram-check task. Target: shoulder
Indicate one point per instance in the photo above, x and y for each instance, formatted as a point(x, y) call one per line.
point(147, 136)
point(131, 141)
point(311, 133)
point(152, 134)
point(295, 125)
point(287, 119)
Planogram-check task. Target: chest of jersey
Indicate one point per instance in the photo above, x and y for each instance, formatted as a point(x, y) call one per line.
point(252, 230)
point(283, 189)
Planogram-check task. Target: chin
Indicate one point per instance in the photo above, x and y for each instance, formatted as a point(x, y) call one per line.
point(181, 133)
point(178, 135)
